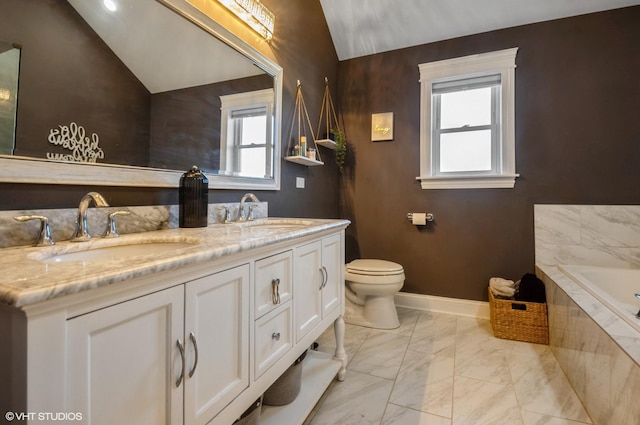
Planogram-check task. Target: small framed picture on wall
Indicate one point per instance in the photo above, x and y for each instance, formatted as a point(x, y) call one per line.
point(382, 127)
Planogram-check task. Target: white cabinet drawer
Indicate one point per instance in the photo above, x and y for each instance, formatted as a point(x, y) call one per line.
point(273, 281)
point(273, 338)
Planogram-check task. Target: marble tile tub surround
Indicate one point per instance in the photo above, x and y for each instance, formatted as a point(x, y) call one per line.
point(599, 352)
point(606, 236)
point(595, 235)
point(140, 219)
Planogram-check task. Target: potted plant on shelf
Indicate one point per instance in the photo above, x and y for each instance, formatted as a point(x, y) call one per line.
point(341, 147)
point(333, 137)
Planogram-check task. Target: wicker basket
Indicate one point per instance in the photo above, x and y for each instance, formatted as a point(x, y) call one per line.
point(286, 387)
point(519, 320)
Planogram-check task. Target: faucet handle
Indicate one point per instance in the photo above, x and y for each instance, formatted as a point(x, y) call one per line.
point(44, 237)
point(112, 230)
point(250, 212)
point(227, 214)
point(249, 216)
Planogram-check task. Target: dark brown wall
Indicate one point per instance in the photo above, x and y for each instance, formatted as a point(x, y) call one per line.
point(577, 142)
point(68, 74)
point(302, 45)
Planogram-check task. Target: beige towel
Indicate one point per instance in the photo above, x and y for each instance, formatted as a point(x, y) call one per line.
point(502, 288)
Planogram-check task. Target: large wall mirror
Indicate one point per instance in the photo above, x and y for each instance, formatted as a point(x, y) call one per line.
point(135, 92)
point(9, 66)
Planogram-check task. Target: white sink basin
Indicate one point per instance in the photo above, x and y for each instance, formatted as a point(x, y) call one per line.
point(112, 252)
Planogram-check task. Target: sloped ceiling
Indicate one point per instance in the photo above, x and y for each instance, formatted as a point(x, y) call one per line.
point(365, 27)
point(163, 50)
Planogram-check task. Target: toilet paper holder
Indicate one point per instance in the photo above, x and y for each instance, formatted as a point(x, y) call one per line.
point(428, 217)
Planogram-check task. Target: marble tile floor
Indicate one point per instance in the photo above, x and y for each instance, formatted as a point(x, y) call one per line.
point(440, 369)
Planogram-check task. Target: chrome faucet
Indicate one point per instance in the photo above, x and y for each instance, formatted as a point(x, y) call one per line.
point(249, 216)
point(638, 314)
point(82, 230)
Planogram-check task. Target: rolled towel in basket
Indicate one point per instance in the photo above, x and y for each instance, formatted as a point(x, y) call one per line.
point(531, 289)
point(502, 288)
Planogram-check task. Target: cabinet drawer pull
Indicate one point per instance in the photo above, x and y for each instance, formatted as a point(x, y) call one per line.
point(275, 336)
point(181, 348)
point(195, 346)
point(275, 291)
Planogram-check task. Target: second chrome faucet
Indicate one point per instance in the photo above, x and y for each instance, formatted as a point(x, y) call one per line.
point(82, 230)
point(249, 215)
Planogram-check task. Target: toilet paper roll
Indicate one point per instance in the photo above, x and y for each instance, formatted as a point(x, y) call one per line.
point(419, 219)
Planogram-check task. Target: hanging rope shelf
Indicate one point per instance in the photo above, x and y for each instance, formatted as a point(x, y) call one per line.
point(328, 114)
point(333, 137)
point(302, 148)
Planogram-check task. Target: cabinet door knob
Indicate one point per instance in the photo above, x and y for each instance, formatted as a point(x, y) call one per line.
point(275, 336)
point(195, 346)
point(275, 291)
point(181, 348)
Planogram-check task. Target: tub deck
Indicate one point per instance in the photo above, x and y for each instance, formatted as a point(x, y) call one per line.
point(614, 287)
point(621, 332)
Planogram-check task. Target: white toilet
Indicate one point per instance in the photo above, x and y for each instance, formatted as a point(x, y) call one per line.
point(369, 289)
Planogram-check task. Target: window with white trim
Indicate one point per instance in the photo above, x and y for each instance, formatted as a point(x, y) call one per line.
point(467, 122)
point(246, 143)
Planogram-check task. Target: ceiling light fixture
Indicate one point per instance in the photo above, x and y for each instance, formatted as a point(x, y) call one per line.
point(110, 5)
point(254, 14)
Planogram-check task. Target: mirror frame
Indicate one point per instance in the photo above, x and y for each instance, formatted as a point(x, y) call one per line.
point(17, 169)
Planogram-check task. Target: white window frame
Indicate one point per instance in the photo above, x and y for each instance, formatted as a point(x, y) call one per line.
point(229, 151)
point(503, 174)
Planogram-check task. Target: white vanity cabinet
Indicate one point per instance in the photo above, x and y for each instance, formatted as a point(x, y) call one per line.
point(273, 282)
point(273, 331)
point(318, 282)
point(124, 353)
point(196, 344)
point(136, 361)
point(217, 342)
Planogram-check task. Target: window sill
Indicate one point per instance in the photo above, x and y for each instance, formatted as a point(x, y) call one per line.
point(504, 181)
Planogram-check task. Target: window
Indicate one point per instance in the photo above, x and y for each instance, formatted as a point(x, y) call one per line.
point(246, 145)
point(467, 122)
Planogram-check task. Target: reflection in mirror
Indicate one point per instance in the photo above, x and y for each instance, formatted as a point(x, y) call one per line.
point(246, 145)
point(9, 66)
point(148, 83)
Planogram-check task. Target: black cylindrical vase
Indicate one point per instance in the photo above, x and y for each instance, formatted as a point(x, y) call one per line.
point(193, 199)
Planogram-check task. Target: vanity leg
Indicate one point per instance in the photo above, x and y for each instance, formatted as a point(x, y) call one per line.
point(341, 354)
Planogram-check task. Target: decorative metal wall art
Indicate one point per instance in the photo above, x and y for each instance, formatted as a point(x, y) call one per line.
point(73, 137)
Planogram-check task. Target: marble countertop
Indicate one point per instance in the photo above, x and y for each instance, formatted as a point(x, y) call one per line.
point(32, 274)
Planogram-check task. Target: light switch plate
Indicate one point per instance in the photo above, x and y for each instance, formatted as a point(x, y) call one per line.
point(299, 182)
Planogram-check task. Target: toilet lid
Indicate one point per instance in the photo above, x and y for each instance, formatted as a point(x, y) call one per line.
point(374, 267)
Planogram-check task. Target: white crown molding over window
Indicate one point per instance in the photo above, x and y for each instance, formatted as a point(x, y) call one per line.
point(500, 62)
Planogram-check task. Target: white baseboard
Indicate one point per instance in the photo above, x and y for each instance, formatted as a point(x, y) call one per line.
point(459, 307)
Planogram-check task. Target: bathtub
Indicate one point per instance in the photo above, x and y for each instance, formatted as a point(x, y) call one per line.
point(613, 287)
point(596, 337)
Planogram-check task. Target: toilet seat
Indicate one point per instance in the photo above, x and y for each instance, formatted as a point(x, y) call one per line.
point(368, 267)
